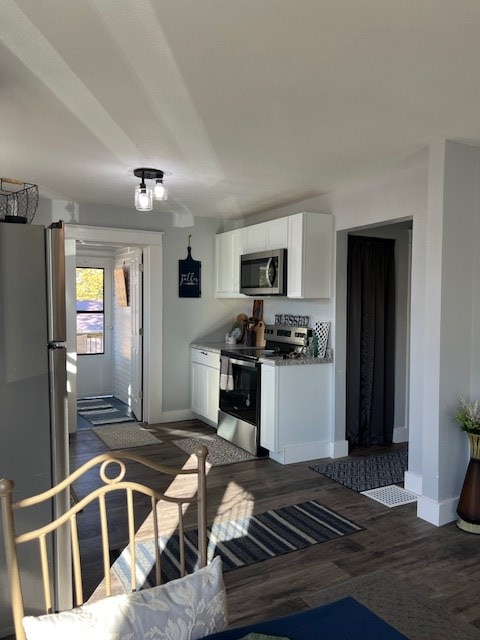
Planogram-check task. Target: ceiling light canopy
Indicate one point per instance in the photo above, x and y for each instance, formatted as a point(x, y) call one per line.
point(145, 194)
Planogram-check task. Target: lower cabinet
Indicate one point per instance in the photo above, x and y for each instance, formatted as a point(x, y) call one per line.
point(296, 414)
point(205, 383)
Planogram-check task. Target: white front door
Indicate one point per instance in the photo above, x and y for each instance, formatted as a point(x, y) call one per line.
point(128, 329)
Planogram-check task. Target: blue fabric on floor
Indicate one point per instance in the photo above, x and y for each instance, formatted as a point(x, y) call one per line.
point(345, 619)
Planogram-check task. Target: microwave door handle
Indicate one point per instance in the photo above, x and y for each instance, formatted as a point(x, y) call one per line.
point(271, 266)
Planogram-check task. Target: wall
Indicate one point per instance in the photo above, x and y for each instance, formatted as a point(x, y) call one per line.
point(451, 316)
point(184, 320)
point(394, 197)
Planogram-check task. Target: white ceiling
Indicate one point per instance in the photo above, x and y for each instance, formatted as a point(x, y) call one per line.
point(245, 104)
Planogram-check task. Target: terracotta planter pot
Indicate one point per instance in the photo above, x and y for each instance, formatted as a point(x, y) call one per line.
point(469, 502)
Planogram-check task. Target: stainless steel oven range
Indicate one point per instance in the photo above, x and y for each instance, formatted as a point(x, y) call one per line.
point(241, 379)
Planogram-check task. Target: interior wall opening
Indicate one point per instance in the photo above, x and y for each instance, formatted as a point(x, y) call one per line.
point(349, 364)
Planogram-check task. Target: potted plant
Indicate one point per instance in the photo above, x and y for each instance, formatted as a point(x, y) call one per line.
point(468, 418)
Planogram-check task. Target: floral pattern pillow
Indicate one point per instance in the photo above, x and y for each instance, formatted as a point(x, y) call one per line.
point(185, 609)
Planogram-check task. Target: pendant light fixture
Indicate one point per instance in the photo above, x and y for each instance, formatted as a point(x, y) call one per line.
point(160, 190)
point(144, 194)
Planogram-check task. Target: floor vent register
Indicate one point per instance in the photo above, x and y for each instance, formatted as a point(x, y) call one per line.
point(391, 496)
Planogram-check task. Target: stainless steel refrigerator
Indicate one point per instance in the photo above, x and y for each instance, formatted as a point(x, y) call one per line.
point(33, 391)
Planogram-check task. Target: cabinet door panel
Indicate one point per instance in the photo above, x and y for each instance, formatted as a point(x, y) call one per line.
point(295, 256)
point(199, 389)
point(268, 409)
point(212, 393)
point(255, 238)
point(229, 246)
point(276, 234)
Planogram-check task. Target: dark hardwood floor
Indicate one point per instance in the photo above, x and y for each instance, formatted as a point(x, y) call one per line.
point(442, 561)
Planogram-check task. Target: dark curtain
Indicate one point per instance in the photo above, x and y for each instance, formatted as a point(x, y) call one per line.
point(370, 341)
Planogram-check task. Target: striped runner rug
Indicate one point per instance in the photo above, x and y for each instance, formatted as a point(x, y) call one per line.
point(240, 542)
point(90, 404)
point(100, 411)
point(106, 416)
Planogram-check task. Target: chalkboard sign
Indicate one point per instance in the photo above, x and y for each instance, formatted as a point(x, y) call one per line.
point(189, 276)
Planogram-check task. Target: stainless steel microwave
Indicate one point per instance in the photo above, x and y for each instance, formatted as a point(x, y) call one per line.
point(264, 273)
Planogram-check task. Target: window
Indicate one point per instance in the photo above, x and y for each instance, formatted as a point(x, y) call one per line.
point(90, 310)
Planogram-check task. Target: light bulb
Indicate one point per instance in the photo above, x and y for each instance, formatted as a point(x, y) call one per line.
point(143, 198)
point(160, 190)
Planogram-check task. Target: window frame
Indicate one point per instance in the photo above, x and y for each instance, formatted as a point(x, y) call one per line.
point(89, 312)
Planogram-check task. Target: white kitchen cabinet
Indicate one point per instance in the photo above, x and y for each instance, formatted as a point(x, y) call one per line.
point(229, 246)
point(309, 255)
point(266, 236)
point(205, 384)
point(296, 412)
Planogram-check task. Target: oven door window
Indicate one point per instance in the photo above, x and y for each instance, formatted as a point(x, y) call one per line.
point(238, 394)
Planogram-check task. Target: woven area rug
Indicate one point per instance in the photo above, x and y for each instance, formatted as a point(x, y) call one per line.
point(125, 436)
point(220, 451)
point(367, 472)
point(241, 542)
point(400, 604)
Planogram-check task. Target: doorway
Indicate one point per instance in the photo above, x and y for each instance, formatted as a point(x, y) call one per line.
point(109, 324)
point(370, 341)
point(401, 232)
point(149, 371)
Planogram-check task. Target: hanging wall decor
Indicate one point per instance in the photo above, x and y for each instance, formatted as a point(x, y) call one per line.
point(189, 276)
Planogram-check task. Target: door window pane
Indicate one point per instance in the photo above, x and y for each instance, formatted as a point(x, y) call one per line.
point(90, 310)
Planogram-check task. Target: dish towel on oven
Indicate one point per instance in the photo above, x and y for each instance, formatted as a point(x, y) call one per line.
point(226, 376)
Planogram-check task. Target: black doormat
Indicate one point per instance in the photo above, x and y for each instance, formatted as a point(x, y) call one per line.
point(240, 542)
point(367, 472)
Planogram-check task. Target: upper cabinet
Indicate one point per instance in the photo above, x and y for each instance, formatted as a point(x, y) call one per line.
point(266, 235)
point(309, 255)
point(229, 246)
point(308, 239)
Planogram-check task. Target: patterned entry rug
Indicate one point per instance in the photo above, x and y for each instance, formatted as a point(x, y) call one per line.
point(367, 472)
point(125, 436)
point(240, 542)
point(220, 451)
point(402, 605)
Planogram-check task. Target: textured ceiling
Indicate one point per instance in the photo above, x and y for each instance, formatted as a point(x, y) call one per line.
point(246, 105)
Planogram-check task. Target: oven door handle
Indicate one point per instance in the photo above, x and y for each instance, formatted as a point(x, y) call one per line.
point(243, 363)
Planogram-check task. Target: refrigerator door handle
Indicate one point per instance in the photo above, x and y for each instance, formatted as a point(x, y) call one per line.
point(55, 260)
point(57, 359)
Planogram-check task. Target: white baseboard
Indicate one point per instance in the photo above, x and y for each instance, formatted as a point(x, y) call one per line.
point(338, 449)
point(301, 452)
point(400, 434)
point(437, 513)
point(176, 416)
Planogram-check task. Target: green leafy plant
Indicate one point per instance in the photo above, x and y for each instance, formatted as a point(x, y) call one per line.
point(468, 417)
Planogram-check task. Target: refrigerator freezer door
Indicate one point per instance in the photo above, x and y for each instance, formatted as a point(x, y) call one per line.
point(55, 257)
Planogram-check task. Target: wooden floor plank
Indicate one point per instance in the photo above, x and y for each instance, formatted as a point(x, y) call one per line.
point(443, 561)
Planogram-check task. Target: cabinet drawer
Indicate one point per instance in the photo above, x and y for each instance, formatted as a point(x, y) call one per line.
point(208, 358)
